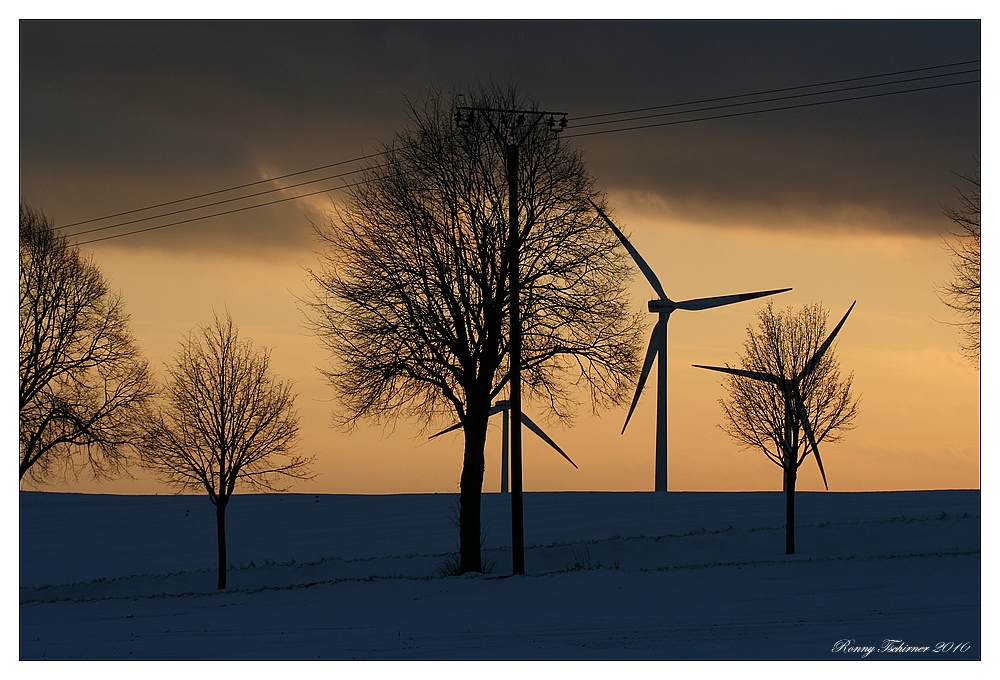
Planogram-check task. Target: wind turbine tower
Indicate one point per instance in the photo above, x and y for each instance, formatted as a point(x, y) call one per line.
point(663, 307)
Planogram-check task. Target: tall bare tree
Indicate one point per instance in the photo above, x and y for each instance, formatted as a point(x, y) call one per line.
point(962, 292)
point(786, 396)
point(84, 384)
point(225, 420)
point(412, 299)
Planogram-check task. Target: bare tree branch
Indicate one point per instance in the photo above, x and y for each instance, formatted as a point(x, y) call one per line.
point(781, 345)
point(84, 384)
point(962, 293)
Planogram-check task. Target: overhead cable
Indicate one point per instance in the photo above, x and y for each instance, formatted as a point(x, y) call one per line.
point(568, 135)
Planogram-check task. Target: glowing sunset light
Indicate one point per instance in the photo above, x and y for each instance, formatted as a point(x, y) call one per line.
point(839, 202)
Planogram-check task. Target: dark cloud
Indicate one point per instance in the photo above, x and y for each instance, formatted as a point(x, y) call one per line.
point(116, 115)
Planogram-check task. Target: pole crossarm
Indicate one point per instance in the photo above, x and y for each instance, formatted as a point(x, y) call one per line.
point(511, 120)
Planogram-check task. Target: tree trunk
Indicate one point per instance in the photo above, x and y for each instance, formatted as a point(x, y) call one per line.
point(220, 523)
point(473, 468)
point(790, 510)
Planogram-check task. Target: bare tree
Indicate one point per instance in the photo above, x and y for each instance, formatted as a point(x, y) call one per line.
point(412, 299)
point(962, 293)
point(83, 382)
point(787, 395)
point(225, 419)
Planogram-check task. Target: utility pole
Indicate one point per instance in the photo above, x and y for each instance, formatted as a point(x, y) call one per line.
point(510, 127)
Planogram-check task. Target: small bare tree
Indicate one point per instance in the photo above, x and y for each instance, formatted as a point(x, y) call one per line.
point(225, 419)
point(84, 384)
point(962, 293)
point(413, 300)
point(787, 394)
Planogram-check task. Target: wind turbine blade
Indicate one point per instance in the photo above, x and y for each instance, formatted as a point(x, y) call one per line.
point(499, 408)
point(456, 426)
point(825, 346)
point(645, 268)
point(537, 430)
point(753, 375)
point(708, 303)
point(815, 448)
point(810, 435)
point(655, 345)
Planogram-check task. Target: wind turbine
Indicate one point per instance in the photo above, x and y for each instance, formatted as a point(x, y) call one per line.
point(504, 407)
point(789, 388)
point(664, 307)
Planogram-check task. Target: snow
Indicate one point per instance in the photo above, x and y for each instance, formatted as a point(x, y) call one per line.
point(616, 576)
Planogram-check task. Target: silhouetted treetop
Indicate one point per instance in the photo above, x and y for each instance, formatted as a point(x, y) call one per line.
point(412, 297)
point(84, 384)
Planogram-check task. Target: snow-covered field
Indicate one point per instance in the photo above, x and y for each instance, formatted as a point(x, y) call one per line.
point(610, 576)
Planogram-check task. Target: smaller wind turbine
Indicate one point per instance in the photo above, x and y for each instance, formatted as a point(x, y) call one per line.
point(789, 388)
point(664, 307)
point(503, 406)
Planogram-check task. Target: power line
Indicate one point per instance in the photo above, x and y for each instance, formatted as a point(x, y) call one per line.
point(776, 99)
point(584, 134)
point(220, 214)
point(567, 136)
point(223, 191)
point(577, 118)
point(216, 203)
point(782, 89)
point(770, 110)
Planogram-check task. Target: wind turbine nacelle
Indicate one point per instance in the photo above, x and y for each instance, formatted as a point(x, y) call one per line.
point(657, 306)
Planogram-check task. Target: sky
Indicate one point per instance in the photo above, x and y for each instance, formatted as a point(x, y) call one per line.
point(841, 202)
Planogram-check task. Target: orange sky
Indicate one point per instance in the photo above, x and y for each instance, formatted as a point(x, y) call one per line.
point(919, 418)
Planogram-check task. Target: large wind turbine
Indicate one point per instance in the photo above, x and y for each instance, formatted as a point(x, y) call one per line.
point(664, 307)
point(504, 407)
point(790, 391)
